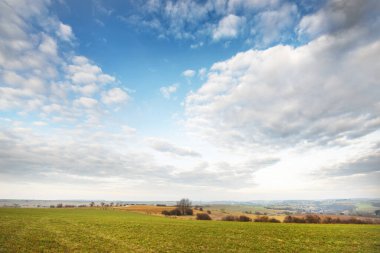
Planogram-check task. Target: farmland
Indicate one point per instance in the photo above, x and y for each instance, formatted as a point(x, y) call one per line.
point(112, 230)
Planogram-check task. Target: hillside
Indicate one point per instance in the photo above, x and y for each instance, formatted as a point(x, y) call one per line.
point(84, 230)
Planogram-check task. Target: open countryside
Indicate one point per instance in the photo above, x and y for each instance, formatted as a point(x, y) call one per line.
point(190, 126)
point(113, 230)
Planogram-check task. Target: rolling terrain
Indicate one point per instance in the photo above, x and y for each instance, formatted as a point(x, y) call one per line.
point(112, 230)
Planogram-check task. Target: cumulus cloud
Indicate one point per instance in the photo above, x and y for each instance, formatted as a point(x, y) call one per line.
point(210, 21)
point(338, 16)
point(85, 102)
point(83, 72)
point(318, 92)
point(228, 27)
point(114, 96)
point(165, 146)
point(167, 91)
point(188, 73)
point(275, 25)
point(65, 32)
point(37, 73)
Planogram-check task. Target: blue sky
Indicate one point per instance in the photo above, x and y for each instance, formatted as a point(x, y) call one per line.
point(210, 100)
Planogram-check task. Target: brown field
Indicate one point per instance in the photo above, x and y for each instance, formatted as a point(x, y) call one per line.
point(217, 214)
point(146, 209)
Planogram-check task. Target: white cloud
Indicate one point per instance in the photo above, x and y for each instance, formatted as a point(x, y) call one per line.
point(291, 94)
point(228, 27)
point(202, 21)
point(315, 106)
point(188, 73)
point(128, 130)
point(83, 72)
point(39, 123)
point(165, 146)
point(250, 5)
point(86, 102)
point(202, 73)
point(37, 74)
point(48, 45)
point(338, 16)
point(275, 24)
point(167, 91)
point(65, 32)
point(114, 96)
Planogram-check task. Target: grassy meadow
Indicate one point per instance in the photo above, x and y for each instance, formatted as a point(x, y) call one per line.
point(99, 230)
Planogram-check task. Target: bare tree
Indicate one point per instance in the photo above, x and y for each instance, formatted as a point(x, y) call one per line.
point(183, 205)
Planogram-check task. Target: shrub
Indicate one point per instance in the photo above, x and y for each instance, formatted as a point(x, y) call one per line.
point(312, 218)
point(203, 216)
point(176, 212)
point(52, 206)
point(165, 212)
point(59, 205)
point(244, 218)
point(274, 220)
point(328, 220)
point(208, 211)
point(188, 211)
point(293, 219)
point(288, 219)
point(230, 218)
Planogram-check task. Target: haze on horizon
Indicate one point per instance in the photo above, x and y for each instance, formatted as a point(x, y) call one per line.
point(210, 100)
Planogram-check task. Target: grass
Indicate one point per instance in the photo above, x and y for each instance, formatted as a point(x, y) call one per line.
point(97, 230)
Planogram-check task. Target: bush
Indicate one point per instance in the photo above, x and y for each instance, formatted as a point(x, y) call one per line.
point(208, 211)
point(59, 205)
point(52, 206)
point(274, 220)
point(244, 218)
point(328, 220)
point(203, 216)
point(312, 218)
point(288, 219)
point(176, 212)
point(267, 219)
point(230, 218)
point(189, 211)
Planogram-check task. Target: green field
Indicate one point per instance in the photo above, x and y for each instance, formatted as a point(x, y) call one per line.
point(96, 230)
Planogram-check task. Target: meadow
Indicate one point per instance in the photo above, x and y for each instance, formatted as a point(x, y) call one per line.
point(111, 230)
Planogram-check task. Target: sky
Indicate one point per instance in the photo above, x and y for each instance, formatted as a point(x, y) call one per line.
point(209, 100)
